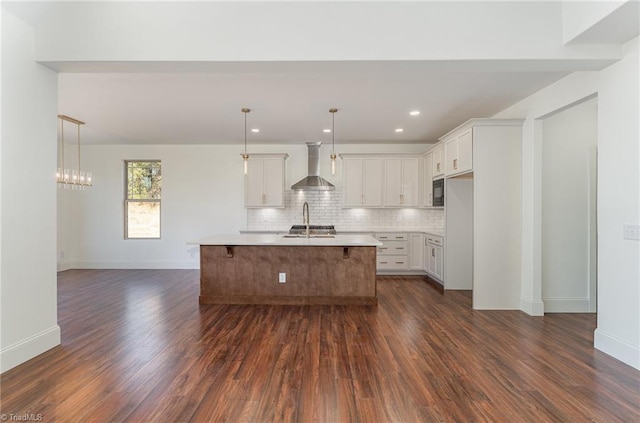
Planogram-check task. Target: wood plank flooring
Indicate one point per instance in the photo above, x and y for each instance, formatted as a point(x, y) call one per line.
point(137, 347)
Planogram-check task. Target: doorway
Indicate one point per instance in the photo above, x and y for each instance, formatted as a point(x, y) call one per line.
point(569, 198)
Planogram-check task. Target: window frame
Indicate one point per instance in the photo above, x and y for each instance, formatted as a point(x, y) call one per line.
point(128, 200)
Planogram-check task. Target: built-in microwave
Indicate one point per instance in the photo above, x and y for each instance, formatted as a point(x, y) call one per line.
point(438, 193)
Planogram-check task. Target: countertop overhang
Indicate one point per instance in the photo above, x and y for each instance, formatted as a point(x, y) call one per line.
point(346, 240)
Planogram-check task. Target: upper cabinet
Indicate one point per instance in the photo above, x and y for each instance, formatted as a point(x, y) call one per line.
point(458, 153)
point(427, 165)
point(264, 181)
point(402, 179)
point(438, 161)
point(362, 181)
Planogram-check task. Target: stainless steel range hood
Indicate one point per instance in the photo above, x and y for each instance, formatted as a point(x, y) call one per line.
point(313, 182)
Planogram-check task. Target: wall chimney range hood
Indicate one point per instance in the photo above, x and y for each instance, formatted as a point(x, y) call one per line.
point(313, 182)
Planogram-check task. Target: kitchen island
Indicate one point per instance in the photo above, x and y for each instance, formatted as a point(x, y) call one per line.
point(277, 269)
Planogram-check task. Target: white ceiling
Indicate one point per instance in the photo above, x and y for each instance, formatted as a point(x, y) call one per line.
point(179, 73)
point(290, 102)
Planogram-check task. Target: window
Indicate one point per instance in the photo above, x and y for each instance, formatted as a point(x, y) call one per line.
point(142, 199)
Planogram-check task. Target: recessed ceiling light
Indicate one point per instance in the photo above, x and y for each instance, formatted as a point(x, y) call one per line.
point(414, 112)
point(255, 130)
point(326, 130)
point(399, 130)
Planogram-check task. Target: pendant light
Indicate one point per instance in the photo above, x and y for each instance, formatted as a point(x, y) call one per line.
point(333, 140)
point(245, 155)
point(76, 178)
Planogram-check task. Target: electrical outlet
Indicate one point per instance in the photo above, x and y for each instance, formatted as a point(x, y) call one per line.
point(631, 231)
point(282, 277)
point(61, 254)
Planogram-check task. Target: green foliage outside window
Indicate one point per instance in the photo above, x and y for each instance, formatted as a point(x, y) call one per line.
point(144, 180)
point(142, 202)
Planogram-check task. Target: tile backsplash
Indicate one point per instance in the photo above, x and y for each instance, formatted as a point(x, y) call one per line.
point(325, 208)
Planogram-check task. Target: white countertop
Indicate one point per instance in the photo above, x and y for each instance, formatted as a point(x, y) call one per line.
point(432, 231)
point(346, 240)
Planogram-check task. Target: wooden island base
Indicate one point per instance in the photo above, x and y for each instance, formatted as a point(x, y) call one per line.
point(249, 274)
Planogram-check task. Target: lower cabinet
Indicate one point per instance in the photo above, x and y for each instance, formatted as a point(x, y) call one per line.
point(401, 253)
point(416, 251)
point(433, 256)
point(394, 252)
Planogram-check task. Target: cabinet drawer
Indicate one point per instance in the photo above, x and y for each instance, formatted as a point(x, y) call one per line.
point(430, 239)
point(392, 262)
point(392, 237)
point(393, 248)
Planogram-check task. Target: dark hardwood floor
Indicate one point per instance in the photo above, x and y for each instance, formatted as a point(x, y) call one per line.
point(137, 347)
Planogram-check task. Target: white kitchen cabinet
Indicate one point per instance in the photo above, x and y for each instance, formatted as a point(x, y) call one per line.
point(402, 179)
point(416, 251)
point(362, 181)
point(433, 256)
point(483, 214)
point(458, 153)
point(393, 255)
point(438, 160)
point(427, 178)
point(264, 181)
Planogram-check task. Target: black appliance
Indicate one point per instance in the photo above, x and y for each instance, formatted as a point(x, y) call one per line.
point(438, 193)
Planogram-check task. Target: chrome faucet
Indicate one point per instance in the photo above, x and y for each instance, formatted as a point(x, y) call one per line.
point(305, 216)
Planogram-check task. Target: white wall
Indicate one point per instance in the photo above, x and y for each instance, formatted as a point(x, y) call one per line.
point(202, 195)
point(29, 104)
point(568, 208)
point(618, 332)
point(580, 16)
point(212, 31)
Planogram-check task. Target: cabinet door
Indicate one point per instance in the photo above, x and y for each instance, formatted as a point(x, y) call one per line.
point(273, 182)
point(410, 182)
point(254, 183)
point(465, 151)
point(372, 182)
point(438, 167)
point(393, 182)
point(431, 260)
point(438, 265)
point(428, 180)
point(426, 250)
point(352, 169)
point(451, 157)
point(458, 153)
point(416, 247)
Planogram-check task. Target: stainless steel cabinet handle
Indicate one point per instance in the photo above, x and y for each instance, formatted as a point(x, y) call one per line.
point(455, 164)
point(433, 252)
point(264, 198)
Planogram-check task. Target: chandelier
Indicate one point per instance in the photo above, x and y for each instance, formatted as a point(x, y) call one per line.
point(66, 177)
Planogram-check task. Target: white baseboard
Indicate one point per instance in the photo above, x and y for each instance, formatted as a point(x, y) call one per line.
point(532, 308)
point(64, 265)
point(566, 305)
point(146, 264)
point(25, 350)
point(617, 348)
